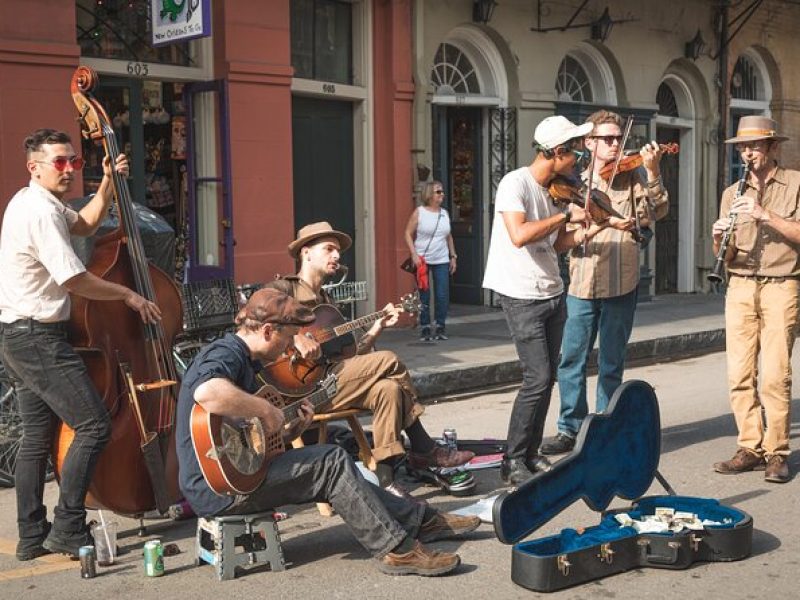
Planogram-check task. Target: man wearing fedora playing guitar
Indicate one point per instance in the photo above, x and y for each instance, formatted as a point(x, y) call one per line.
point(375, 380)
point(222, 380)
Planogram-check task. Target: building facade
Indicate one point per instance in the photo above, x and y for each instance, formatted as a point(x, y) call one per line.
point(304, 110)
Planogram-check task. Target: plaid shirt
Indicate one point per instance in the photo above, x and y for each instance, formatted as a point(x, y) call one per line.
point(760, 250)
point(609, 266)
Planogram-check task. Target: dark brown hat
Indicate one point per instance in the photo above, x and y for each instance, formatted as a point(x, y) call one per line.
point(309, 233)
point(269, 305)
point(755, 127)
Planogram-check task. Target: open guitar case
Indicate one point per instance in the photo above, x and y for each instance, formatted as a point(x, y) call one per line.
point(615, 454)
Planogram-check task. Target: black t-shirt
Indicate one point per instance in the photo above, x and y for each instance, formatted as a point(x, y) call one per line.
point(227, 358)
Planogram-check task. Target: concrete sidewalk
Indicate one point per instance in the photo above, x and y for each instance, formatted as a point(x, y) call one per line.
point(480, 353)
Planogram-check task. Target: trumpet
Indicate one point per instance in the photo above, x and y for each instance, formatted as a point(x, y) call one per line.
point(716, 275)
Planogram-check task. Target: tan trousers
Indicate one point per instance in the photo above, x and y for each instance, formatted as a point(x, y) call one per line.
point(379, 382)
point(761, 317)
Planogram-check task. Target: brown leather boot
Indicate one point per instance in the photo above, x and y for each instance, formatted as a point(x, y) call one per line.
point(419, 561)
point(440, 456)
point(446, 525)
point(777, 469)
point(741, 462)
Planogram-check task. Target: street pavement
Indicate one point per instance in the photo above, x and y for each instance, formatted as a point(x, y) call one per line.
point(697, 429)
point(480, 353)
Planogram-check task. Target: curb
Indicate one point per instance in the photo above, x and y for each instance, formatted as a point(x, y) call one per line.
point(447, 382)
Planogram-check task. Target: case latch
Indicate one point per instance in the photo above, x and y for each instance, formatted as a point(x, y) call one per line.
point(606, 553)
point(695, 540)
point(563, 564)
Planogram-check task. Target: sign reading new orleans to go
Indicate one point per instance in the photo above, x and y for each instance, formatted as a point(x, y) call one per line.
point(180, 20)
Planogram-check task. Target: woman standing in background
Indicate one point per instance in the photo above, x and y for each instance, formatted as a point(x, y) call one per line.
point(428, 237)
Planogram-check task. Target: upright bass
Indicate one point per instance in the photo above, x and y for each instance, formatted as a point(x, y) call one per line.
point(130, 362)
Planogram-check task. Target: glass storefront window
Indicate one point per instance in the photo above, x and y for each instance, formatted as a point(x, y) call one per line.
point(322, 40)
point(121, 30)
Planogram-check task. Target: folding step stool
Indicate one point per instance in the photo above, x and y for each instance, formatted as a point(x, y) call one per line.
point(256, 534)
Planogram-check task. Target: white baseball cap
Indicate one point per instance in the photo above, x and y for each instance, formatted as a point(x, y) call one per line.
point(554, 131)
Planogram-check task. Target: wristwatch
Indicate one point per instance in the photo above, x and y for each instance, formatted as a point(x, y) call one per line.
point(567, 213)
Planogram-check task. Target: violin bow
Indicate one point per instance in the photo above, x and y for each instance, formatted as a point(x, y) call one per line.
point(587, 203)
point(628, 124)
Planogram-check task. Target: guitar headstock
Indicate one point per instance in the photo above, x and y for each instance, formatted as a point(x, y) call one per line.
point(329, 384)
point(410, 303)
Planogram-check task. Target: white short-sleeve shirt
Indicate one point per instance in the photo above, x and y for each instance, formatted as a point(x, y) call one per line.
point(36, 257)
point(530, 272)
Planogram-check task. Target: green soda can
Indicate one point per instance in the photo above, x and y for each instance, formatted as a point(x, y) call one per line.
point(153, 558)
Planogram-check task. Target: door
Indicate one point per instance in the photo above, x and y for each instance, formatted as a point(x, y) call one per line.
point(322, 158)
point(457, 164)
point(210, 211)
point(667, 244)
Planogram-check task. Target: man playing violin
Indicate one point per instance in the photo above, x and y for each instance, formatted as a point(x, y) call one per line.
point(604, 277)
point(40, 270)
point(761, 300)
point(375, 380)
point(522, 268)
point(223, 380)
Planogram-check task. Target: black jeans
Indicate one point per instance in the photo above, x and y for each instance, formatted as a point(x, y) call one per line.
point(379, 520)
point(51, 384)
point(536, 328)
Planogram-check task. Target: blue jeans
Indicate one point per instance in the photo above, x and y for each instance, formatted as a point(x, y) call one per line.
point(612, 318)
point(536, 327)
point(379, 520)
point(439, 277)
point(52, 384)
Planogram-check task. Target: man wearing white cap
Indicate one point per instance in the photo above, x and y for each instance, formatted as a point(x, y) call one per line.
point(522, 268)
point(761, 300)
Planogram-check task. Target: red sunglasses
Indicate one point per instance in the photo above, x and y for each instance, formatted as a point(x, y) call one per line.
point(60, 163)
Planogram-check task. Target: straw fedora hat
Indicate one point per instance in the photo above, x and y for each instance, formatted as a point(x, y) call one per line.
point(756, 127)
point(313, 231)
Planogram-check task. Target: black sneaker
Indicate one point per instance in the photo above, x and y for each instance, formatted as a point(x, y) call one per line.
point(538, 464)
point(514, 471)
point(67, 543)
point(425, 335)
point(559, 444)
point(32, 548)
point(440, 334)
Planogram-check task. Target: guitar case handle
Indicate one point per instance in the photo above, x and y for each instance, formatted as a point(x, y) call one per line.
point(649, 557)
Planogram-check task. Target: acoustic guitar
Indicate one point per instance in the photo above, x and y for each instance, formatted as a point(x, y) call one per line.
point(295, 376)
point(234, 453)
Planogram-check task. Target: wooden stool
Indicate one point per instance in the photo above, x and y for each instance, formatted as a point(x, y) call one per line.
point(257, 534)
point(364, 451)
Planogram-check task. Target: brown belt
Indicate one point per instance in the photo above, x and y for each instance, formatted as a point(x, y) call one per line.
point(767, 278)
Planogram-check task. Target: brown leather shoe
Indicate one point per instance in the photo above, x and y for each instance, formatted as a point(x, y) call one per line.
point(419, 561)
point(741, 462)
point(440, 456)
point(447, 525)
point(777, 469)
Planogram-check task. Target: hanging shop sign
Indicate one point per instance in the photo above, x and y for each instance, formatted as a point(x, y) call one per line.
point(180, 20)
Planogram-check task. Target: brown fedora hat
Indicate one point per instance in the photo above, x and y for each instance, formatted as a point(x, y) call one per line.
point(756, 127)
point(313, 231)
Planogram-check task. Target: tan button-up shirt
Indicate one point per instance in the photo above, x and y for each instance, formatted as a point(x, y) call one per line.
point(760, 250)
point(609, 265)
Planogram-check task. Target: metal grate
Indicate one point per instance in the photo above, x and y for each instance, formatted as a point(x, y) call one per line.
point(348, 292)
point(209, 305)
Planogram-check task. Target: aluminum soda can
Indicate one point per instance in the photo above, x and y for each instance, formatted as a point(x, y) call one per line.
point(153, 558)
point(88, 557)
point(450, 438)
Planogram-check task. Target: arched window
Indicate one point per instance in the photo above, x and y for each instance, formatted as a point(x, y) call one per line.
point(572, 82)
point(667, 105)
point(453, 73)
point(745, 81)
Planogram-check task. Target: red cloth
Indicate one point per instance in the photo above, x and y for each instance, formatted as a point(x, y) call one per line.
point(422, 274)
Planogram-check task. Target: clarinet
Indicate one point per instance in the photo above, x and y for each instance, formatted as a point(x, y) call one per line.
point(716, 275)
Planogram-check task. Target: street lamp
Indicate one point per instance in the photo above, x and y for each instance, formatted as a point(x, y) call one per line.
point(482, 10)
point(694, 47)
point(601, 28)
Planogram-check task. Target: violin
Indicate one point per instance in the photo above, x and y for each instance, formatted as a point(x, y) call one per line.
point(566, 190)
point(634, 161)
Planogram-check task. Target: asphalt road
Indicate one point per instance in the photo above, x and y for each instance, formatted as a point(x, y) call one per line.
point(697, 430)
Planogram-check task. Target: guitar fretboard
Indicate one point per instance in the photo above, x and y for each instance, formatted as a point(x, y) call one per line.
point(316, 399)
point(357, 323)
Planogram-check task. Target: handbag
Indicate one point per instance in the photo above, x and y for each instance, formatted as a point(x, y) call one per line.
point(408, 264)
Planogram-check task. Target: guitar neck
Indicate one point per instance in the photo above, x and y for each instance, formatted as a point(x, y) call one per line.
point(316, 399)
point(358, 323)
